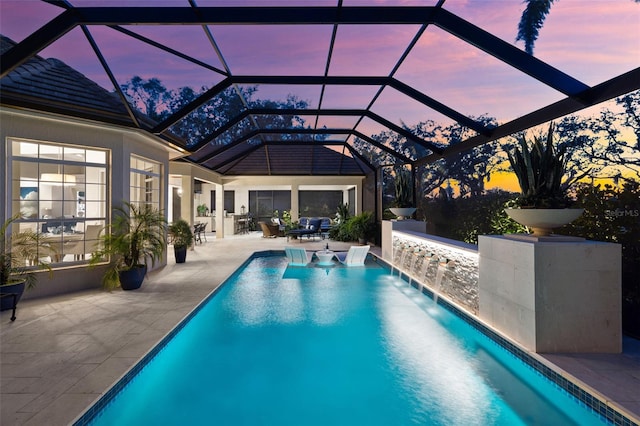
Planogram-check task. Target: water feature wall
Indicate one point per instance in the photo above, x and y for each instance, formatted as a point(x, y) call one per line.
point(446, 267)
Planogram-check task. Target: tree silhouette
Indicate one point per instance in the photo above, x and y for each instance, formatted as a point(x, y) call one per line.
point(532, 20)
point(150, 97)
point(153, 99)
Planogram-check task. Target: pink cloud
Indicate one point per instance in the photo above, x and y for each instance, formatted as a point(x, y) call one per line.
point(370, 50)
point(336, 122)
point(128, 57)
point(19, 18)
point(274, 50)
point(470, 81)
point(593, 41)
point(188, 39)
point(401, 109)
point(348, 96)
point(277, 92)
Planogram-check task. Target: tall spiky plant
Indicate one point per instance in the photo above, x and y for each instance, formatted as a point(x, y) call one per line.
point(403, 188)
point(19, 255)
point(540, 168)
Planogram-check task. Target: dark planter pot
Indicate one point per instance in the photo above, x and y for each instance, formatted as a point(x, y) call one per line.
point(16, 288)
point(131, 279)
point(181, 254)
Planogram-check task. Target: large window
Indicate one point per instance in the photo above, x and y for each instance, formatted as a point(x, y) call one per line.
point(229, 201)
point(262, 204)
point(60, 192)
point(319, 203)
point(352, 201)
point(145, 182)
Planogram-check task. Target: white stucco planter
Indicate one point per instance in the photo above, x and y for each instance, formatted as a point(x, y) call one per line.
point(403, 212)
point(543, 221)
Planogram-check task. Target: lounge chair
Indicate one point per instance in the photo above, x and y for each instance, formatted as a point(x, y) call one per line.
point(355, 256)
point(297, 256)
point(311, 230)
point(325, 226)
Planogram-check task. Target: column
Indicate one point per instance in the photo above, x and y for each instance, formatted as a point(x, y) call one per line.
point(552, 296)
point(219, 211)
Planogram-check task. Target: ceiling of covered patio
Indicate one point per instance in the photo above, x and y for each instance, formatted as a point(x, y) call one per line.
point(307, 87)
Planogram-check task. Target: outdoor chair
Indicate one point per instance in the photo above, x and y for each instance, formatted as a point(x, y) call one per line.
point(88, 244)
point(325, 226)
point(297, 256)
point(311, 230)
point(354, 257)
point(281, 226)
point(198, 232)
point(269, 230)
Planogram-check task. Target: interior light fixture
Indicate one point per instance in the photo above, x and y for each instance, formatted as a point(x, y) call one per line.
point(58, 179)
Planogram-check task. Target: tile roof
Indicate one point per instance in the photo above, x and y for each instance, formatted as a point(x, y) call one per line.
point(291, 159)
point(51, 82)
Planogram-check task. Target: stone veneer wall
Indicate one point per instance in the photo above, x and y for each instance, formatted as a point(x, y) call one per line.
point(447, 267)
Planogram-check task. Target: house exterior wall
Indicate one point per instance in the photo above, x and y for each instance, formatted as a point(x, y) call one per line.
point(120, 142)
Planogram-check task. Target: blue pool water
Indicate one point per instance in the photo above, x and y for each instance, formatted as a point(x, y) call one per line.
point(280, 345)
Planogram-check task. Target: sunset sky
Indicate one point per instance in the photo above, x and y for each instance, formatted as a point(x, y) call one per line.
point(592, 40)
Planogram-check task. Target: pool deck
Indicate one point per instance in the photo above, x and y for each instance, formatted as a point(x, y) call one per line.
point(64, 352)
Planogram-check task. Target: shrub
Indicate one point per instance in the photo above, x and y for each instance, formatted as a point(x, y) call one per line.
point(181, 234)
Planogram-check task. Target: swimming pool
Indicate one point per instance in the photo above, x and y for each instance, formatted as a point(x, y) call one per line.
point(341, 346)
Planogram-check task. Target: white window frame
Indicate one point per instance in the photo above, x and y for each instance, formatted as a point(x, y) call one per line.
point(65, 242)
point(152, 181)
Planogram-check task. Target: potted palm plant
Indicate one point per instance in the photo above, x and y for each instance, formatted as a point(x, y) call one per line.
point(543, 203)
point(137, 235)
point(403, 206)
point(361, 227)
point(182, 238)
point(202, 209)
point(19, 261)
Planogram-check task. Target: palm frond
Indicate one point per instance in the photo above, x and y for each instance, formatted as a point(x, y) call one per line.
point(531, 22)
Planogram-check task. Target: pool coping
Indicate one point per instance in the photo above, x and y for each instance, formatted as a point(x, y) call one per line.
point(585, 395)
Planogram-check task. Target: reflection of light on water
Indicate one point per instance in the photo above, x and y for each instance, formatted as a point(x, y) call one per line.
point(426, 304)
point(435, 368)
point(324, 306)
point(265, 301)
point(303, 293)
